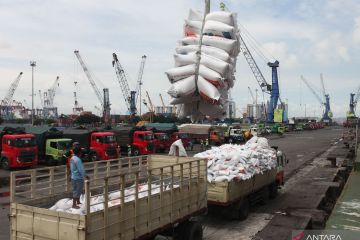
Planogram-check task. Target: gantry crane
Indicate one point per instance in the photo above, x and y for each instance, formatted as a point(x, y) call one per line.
point(325, 102)
point(104, 100)
point(354, 98)
point(6, 103)
point(129, 96)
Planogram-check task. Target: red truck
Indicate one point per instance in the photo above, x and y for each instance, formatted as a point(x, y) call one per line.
point(140, 142)
point(96, 145)
point(18, 149)
point(162, 141)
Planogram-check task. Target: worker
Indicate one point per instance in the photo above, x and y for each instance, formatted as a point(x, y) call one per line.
point(118, 150)
point(77, 176)
point(202, 144)
point(129, 150)
point(70, 153)
point(191, 145)
point(206, 143)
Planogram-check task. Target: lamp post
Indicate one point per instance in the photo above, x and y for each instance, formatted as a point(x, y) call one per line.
point(32, 64)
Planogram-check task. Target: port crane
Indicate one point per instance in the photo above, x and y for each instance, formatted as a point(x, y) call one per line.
point(6, 103)
point(77, 109)
point(273, 88)
point(103, 99)
point(149, 105)
point(325, 101)
point(130, 96)
point(354, 98)
point(48, 101)
point(163, 104)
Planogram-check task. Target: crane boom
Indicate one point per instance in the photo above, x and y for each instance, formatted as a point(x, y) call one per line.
point(322, 85)
point(52, 91)
point(162, 100)
point(139, 80)
point(265, 87)
point(129, 96)
point(357, 97)
point(90, 78)
point(150, 102)
point(312, 90)
point(251, 94)
point(10, 93)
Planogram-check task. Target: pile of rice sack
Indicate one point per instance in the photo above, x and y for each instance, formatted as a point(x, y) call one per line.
point(97, 202)
point(219, 48)
point(239, 162)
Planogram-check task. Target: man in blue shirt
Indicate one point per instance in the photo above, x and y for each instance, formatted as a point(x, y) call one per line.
point(77, 176)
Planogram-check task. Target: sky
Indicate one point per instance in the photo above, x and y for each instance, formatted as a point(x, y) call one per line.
point(307, 37)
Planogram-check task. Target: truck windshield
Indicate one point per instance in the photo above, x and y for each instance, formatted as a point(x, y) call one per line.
point(162, 137)
point(108, 139)
point(183, 135)
point(64, 145)
point(237, 132)
point(24, 142)
point(148, 137)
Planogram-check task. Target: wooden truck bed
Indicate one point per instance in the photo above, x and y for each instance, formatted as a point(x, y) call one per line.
point(182, 194)
point(225, 193)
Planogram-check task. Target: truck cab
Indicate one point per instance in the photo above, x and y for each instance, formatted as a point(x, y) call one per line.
point(103, 146)
point(18, 150)
point(143, 143)
point(56, 149)
point(162, 142)
point(234, 135)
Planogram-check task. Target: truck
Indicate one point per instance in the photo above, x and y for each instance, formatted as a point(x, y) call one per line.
point(18, 148)
point(139, 140)
point(233, 199)
point(204, 131)
point(96, 145)
point(52, 146)
point(234, 135)
point(162, 141)
point(150, 195)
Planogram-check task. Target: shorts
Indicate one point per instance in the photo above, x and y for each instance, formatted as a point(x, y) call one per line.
point(78, 186)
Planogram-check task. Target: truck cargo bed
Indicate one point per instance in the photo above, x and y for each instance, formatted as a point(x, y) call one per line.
point(182, 193)
point(225, 193)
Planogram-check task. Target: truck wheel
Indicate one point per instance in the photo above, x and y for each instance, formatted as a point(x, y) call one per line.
point(273, 190)
point(5, 164)
point(50, 161)
point(136, 152)
point(94, 157)
point(243, 212)
point(190, 231)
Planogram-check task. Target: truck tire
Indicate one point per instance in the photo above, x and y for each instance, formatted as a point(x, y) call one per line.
point(273, 190)
point(94, 157)
point(244, 209)
point(190, 231)
point(50, 161)
point(5, 164)
point(135, 151)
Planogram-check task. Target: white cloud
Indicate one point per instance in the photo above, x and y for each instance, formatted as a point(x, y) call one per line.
point(356, 32)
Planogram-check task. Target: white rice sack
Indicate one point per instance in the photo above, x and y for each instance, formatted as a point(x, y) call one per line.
point(64, 204)
point(178, 73)
point(216, 28)
point(222, 16)
point(192, 28)
point(183, 87)
point(212, 51)
point(207, 91)
point(179, 144)
point(185, 59)
point(187, 99)
point(195, 15)
point(263, 142)
point(225, 44)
